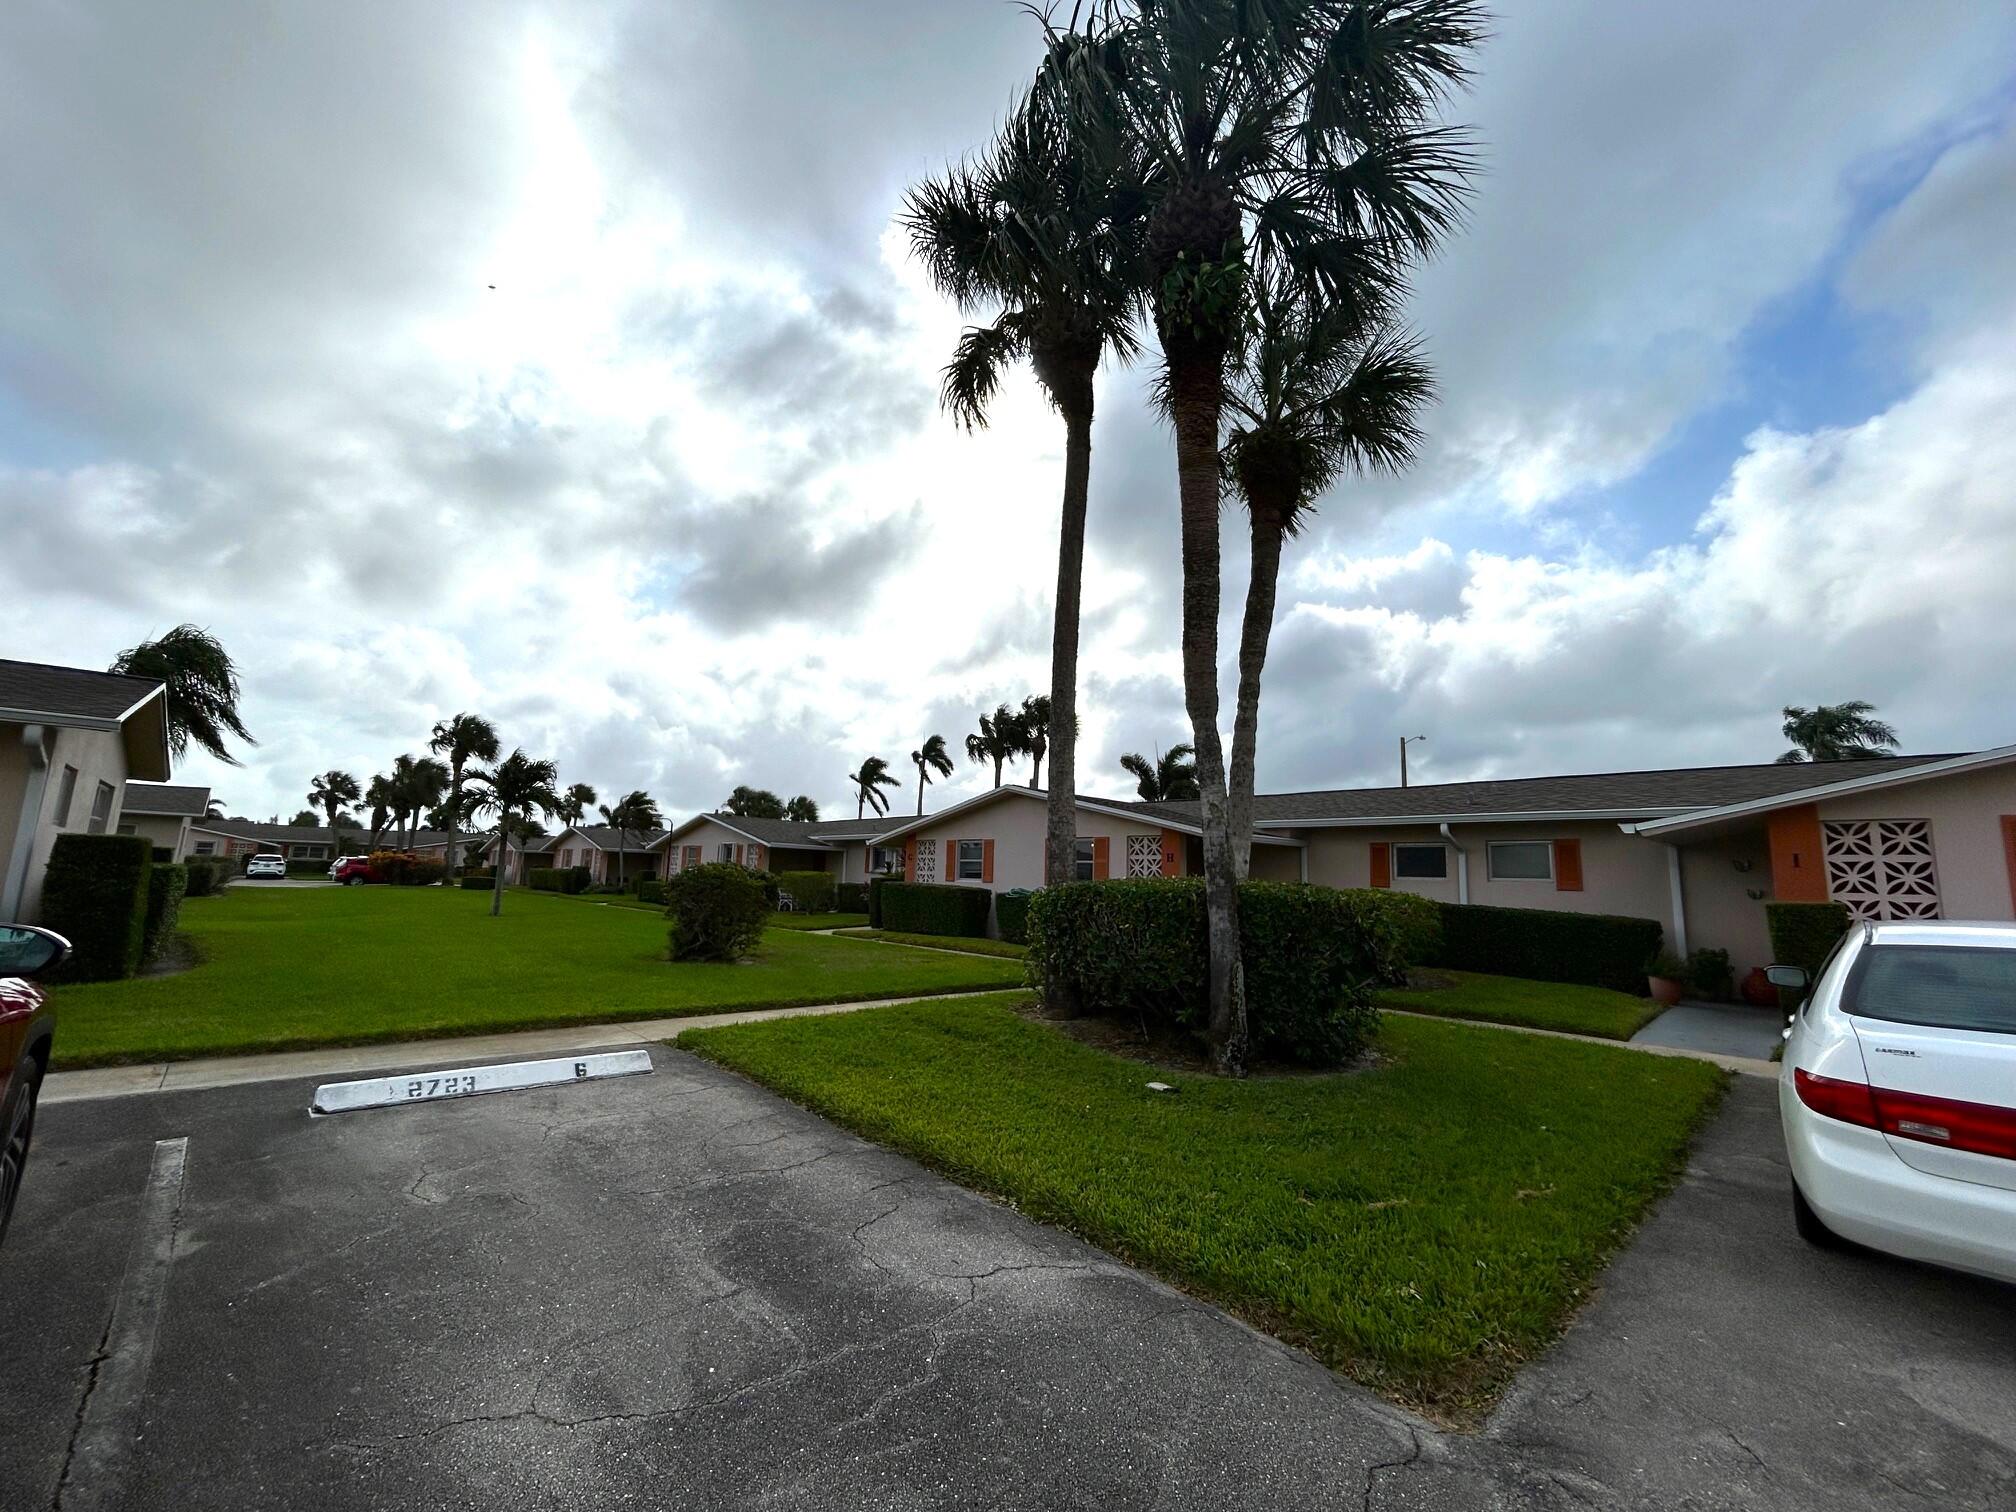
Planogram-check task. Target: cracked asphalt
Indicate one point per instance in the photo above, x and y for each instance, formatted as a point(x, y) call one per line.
point(680, 1291)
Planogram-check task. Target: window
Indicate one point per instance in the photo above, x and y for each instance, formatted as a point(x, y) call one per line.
point(126, 828)
point(725, 851)
point(206, 847)
point(1421, 861)
point(886, 858)
point(65, 791)
point(101, 808)
point(1938, 986)
point(1522, 860)
point(971, 864)
point(1081, 859)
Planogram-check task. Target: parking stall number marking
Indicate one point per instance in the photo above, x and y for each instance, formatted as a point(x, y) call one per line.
point(474, 1081)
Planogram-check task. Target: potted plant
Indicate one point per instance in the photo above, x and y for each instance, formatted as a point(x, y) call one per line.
point(1665, 978)
point(1711, 974)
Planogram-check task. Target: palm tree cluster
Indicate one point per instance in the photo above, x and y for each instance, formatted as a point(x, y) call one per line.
point(1837, 732)
point(635, 813)
point(1008, 733)
point(1170, 778)
point(761, 803)
point(1253, 182)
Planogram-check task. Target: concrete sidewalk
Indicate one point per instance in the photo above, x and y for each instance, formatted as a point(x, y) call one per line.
point(337, 1060)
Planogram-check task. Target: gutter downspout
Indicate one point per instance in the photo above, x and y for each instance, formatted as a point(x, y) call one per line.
point(1462, 864)
point(1679, 900)
point(15, 881)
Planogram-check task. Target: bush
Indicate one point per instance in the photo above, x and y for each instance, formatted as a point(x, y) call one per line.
point(206, 876)
point(812, 891)
point(1011, 915)
point(575, 879)
point(473, 883)
point(162, 853)
point(1418, 921)
point(543, 879)
point(166, 883)
point(650, 890)
point(717, 911)
point(850, 897)
point(1313, 955)
point(426, 873)
point(935, 908)
point(1801, 935)
point(609, 889)
point(1711, 973)
point(1545, 945)
point(395, 867)
point(877, 888)
point(94, 894)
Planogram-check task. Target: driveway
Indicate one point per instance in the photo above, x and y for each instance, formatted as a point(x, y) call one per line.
point(678, 1290)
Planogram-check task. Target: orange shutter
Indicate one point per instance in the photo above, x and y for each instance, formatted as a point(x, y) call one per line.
point(1567, 866)
point(1172, 854)
point(986, 860)
point(1102, 858)
point(909, 858)
point(1382, 864)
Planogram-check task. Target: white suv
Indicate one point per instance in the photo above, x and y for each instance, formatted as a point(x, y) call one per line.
point(266, 866)
point(1898, 1094)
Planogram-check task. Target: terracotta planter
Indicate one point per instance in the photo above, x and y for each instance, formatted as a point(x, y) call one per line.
point(1758, 991)
point(1665, 991)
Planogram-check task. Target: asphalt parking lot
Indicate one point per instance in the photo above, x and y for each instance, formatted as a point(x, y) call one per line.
point(679, 1291)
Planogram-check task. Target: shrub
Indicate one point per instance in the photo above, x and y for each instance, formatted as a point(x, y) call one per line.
point(426, 873)
point(1418, 921)
point(206, 876)
point(166, 883)
point(575, 879)
point(162, 853)
point(1801, 935)
point(1665, 964)
point(878, 887)
point(1137, 948)
point(473, 883)
point(650, 890)
point(850, 897)
point(811, 890)
point(1711, 973)
point(935, 908)
point(95, 895)
point(608, 889)
point(717, 911)
point(1011, 915)
point(1545, 945)
point(395, 867)
point(543, 879)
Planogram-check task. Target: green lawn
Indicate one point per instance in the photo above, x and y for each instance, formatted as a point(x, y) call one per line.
point(289, 968)
point(946, 942)
point(817, 920)
point(1535, 1005)
point(1424, 1226)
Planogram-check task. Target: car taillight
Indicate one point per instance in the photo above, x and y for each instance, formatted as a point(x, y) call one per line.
point(1981, 1128)
point(1831, 1097)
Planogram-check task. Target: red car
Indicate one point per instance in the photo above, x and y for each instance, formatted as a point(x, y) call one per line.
point(354, 871)
point(27, 1027)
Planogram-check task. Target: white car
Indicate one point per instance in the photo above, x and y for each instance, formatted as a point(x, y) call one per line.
point(266, 866)
point(1898, 1094)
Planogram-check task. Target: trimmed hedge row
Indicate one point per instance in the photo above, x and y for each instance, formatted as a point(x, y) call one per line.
point(166, 884)
point(472, 883)
point(1011, 915)
point(207, 876)
point(878, 889)
point(1594, 950)
point(850, 897)
point(934, 908)
point(94, 894)
point(650, 890)
point(1314, 956)
point(560, 879)
point(1801, 935)
point(812, 891)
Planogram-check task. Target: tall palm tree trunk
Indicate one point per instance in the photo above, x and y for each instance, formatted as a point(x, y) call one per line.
point(503, 860)
point(1197, 396)
point(453, 850)
point(920, 790)
point(1061, 832)
point(1253, 637)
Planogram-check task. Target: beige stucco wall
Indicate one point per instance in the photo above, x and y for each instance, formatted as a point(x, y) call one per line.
point(1018, 826)
point(1967, 850)
point(98, 755)
point(710, 837)
point(169, 832)
point(1717, 876)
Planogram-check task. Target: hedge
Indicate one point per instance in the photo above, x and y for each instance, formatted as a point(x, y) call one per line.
point(1418, 921)
point(207, 875)
point(878, 887)
point(560, 879)
point(94, 894)
point(1544, 945)
point(1011, 915)
point(812, 891)
point(650, 890)
point(934, 908)
point(717, 911)
point(473, 883)
point(1314, 956)
point(850, 897)
point(1801, 935)
point(166, 883)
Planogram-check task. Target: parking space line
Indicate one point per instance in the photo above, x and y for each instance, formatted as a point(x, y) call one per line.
point(108, 1419)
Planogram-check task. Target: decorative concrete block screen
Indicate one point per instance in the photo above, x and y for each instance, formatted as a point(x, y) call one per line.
point(1882, 868)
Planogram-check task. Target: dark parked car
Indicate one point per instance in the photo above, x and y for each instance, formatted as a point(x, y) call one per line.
point(27, 1027)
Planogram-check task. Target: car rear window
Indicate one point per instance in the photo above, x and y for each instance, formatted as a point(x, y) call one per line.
point(1939, 986)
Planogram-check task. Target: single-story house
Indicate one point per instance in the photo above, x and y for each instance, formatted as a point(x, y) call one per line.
point(70, 739)
point(845, 847)
point(607, 853)
point(162, 812)
point(1700, 849)
point(307, 842)
point(525, 856)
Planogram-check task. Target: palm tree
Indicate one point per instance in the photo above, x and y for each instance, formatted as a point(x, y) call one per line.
point(868, 784)
point(755, 803)
point(202, 684)
point(636, 812)
point(999, 739)
point(417, 783)
point(1170, 778)
point(1303, 129)
point(575, 802)
point(464, 739)
point(1315, 394)
point(511, 790)
point(1837, 732)
point(1037, 233)
point(333, 792)
point(1033, 723)
point(802, 809)
point(380, 795)
point(930, 757)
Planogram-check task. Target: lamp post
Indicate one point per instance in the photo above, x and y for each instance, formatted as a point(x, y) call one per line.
point(1405, 741)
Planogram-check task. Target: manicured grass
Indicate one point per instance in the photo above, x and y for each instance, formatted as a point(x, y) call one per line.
point(1535, 1005)
point(817, 920)
point(291, 968)
point(1424, 1226)
point(946, 942)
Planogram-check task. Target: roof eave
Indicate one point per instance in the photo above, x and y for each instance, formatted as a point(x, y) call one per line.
point(1692, 819)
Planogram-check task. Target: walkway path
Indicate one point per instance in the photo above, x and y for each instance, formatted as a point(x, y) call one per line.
point(1718, 1028)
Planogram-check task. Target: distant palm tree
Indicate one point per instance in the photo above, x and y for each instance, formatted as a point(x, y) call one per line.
point(930, 757)
point(1837, 732)
point(802, 809)
point(999, 739)
point(868, 784)
point(214, 809)
point(202, 684)
point(1170, 778)
point(333, 792)
point(575, 802)
point(1032, 722)
point(381, 797)
point(417, 784)
point(755, 803)
point(511, 790)
point(635, 812)
point(464, 739)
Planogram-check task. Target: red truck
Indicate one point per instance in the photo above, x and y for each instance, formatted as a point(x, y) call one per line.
point(27, 1027)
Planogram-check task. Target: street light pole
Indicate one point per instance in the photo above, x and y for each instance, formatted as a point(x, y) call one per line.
point(1405, 741)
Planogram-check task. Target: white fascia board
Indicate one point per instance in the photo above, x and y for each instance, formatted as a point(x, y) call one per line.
point(1528, 816)
point(1874, 782)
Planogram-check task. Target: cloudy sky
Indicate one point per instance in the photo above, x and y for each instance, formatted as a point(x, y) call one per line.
point(559, 361)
